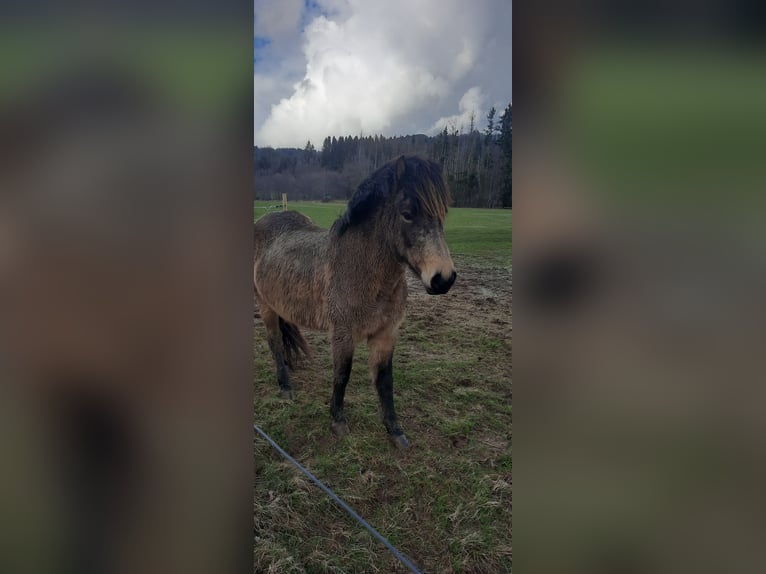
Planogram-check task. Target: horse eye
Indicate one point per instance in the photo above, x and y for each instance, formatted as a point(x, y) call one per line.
point(406, 215)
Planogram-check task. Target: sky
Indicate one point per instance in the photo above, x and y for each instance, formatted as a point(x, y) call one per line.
point(364, 67)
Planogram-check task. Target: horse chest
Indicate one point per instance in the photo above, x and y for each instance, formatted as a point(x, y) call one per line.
point(384, 312)
point(367, 305)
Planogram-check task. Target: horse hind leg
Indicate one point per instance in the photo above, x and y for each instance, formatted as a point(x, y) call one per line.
point(276, 344)
point(343, 357)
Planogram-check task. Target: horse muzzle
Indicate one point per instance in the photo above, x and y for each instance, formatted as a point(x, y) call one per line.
point(440, 284)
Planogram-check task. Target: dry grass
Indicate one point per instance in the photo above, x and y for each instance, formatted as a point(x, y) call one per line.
point(447, 502)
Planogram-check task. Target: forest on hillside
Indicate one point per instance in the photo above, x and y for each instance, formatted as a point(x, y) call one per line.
point(477, 163)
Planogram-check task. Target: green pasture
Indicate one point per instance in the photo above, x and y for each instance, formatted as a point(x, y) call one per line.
point(667, 126)
point(194, 68)
point(482, 236)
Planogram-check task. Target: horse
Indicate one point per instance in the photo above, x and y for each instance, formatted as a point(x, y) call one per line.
point(350, 280)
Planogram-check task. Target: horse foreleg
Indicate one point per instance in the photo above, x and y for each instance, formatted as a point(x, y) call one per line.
point(381, 369)
point(342, 357)
point(274, 338)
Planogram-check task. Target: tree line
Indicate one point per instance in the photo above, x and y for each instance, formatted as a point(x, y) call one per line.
point(477, 164)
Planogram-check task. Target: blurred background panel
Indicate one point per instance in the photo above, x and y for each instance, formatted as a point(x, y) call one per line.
point(639, 273)
point(125, 287)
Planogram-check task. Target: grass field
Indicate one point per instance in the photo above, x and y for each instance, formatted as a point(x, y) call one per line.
point(447, 502)
point(480, 235)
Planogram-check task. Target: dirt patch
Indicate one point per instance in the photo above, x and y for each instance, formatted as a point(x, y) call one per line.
point(475, 289)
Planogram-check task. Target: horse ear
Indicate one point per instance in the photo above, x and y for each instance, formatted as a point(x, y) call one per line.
point(400, 167)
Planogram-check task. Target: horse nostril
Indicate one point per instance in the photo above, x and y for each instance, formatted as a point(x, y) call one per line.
point(441, 285)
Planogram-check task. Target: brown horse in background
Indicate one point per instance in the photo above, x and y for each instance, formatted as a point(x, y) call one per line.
point(350, 280)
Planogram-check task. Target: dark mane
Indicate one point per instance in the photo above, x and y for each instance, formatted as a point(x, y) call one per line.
point(420, 179)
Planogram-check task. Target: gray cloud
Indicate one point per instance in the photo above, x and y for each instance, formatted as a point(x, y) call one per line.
point(277, 20)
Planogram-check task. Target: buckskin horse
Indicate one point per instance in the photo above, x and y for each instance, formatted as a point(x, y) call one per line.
point(351, 280)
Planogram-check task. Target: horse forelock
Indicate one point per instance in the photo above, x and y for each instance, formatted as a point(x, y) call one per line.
point(428, 188)
point(421, 180)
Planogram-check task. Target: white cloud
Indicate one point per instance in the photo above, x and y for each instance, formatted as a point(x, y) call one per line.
point(472, 103)
point(379, 67)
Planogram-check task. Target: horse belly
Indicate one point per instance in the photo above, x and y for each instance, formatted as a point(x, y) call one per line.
point(293, 290)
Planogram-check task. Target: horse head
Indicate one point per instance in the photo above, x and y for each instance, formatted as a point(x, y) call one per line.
point(420, 207)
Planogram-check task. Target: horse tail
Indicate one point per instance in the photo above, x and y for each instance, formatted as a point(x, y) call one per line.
point(293, 342)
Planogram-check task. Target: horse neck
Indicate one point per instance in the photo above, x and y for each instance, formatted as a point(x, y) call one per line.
point(370, 251)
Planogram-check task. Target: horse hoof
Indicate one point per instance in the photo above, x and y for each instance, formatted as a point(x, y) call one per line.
point(340, 428)
point(400, 441)
point(286, 394)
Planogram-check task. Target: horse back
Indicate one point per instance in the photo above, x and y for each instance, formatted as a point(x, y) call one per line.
point(290, 273)
point(273, 225)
